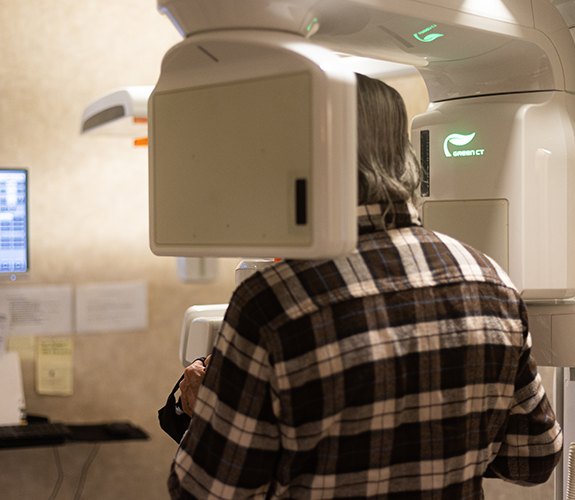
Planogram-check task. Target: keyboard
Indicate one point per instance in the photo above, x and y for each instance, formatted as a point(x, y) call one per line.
point(40, 434)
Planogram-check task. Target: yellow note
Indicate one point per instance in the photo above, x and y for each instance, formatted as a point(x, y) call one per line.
point(24, 345)
point(54, 366)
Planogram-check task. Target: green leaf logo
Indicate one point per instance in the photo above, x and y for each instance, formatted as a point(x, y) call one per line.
point(456, 140)
point(428, 38)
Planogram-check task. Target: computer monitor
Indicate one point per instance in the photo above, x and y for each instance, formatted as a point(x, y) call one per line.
point(14, 250)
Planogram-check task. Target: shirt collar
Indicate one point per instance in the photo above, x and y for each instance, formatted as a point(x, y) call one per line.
point(371, 218)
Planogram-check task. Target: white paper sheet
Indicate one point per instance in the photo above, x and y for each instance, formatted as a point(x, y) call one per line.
point(102, 307)
point(11, 389)
point(38, 309)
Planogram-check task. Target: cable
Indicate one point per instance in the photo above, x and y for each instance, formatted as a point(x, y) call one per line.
point(84, 473)
point(60, 471)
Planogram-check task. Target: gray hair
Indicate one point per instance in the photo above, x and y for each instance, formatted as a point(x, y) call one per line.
point(388, 170)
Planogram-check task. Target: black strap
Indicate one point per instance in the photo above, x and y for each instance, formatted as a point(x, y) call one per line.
point(174, 422)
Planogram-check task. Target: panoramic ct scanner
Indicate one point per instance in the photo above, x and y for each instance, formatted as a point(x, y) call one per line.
point(253, 116)
point(252, 140)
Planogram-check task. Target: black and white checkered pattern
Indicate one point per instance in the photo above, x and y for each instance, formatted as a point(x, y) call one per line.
point(402, 371)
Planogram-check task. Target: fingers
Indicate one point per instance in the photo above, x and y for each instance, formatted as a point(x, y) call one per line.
point(190, 385)
point(194, 371)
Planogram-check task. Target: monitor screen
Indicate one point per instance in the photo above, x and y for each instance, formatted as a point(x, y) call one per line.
point(14, 258)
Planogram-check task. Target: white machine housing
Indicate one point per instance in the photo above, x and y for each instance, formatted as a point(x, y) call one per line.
point(204, 161)
point(199, 329)
point(461, 48)
point(500, 175)
point(203, 322)
point(500, 75)
point(252, 148)
point(500, 149)
point(122, 112)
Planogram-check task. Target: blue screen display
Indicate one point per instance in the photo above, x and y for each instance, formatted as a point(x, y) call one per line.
point(13, 221)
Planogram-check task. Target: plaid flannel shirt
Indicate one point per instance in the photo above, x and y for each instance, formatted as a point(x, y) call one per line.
point(402, 371)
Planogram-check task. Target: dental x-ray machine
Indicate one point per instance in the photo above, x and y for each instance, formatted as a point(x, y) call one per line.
point(252, 136)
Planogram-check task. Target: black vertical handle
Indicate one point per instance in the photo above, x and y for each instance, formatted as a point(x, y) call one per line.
point(301, 202)
point(424, 161)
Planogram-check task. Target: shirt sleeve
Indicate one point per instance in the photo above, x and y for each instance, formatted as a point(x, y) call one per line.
point(533, 440)
point(230, 448)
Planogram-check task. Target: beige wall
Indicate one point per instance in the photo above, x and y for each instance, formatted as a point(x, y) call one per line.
point(88, 201)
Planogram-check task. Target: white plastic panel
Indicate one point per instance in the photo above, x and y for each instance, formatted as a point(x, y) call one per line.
point(252, 149)
point(193, 16)
point(467, 48)
point(509, 11)
point(121, 112)
point(483, 224)
point(458, 48)
point(229, 158)
point(197, 269)
point(567, 10)
point(552, 326)
point(519, 148)
point(199, 329)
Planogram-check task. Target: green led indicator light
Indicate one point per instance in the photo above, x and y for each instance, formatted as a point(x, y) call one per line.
point(425, 36)
point(310, 26)
point(460, 140)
